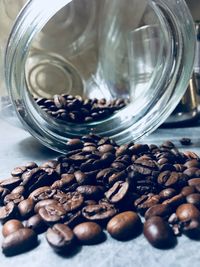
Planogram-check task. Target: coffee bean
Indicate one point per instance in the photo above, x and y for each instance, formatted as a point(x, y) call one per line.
point(172, 179)
point(117, 192)
point(10, 183)
point(3, 193)
point(194, 181)
point(88, 233)
point(60, 237)
point(185, 141)
point(194, 199)
point(36, 224)
point(187, 212)
point(18, 171)
point(194, 163)
point(145, 202)
point(18, 190)
point(158, 233)
point(124, 226)
point(167, 193)
point(99, 212)
point(8, 212)
point(52, 213)
point(42, 193)
point(44, 203)
point(160, 210)
point(74, 144)
point(11, 226)
point(71, 201)
point(20, 241)
point(26, 207)
point(15, 198)
point(91, 191)
point(189, 216)
point(175, 201)
point(187, 190)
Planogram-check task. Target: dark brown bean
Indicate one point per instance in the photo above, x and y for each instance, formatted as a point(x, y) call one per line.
point(160, 210)
point(26, 207)
point(20, 241)
point(60, 237)
point(158, 233)
point(36, 224)
point(11, 226)
point(8, 212)
point(99, 212)
point(117, 192)
point(52, 213)
point(194, 199)
point(70, 201)
point(187, 212)
point(44, 203)
point(88, 233)
point(187, 190)
point(167, 193)
point(125, 225)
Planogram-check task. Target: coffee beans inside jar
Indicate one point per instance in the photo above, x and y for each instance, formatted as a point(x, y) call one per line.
point(68, 108)
point(98, 188)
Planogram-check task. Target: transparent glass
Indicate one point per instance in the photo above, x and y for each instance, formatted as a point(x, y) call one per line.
point(139, 50)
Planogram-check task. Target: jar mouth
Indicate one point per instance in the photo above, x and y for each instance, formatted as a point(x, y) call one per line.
point(169, 37)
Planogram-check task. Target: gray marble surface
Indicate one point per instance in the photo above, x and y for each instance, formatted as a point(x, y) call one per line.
point(18, 147)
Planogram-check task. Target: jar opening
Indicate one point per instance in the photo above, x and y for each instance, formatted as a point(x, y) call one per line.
point(95, 51)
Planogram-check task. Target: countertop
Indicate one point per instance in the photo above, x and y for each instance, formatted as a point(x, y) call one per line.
point(18, 147)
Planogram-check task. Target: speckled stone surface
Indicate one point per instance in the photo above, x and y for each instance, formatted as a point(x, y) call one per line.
point(18, 147)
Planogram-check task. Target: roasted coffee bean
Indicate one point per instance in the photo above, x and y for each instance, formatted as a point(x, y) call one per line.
point(125, 225)
point(172, 179)
point(117, 192)
point(19, 241)
point(42, 193)
point(91, 191)
point(11, 226)
point(160, 210)
point(106, 148)
point(44, 203)
point(158, 233)
point(194, 163)
point(8, 212)
point(145, 202)
point(71, 201)
point(168, 144)
point(82, 178)
point(15, 198)
point(187, 190)
point(99, 212)
point(36, 224)
point(3, 193)
point(10, 183)
point(18, 171)
point(185, 141)
point(18, 190)
point(73, 218)
point(52, 213)
point(194, 181)
point(191, 172)
point(167, 193)
point(26, 208)
point(186, 212)
point(60, 237)
point(194, 199)
point(50, 164)
point(191, 155)
point(74, 144)
point(88, 233)
point(31, 165)
point(174, 201)
point(116, 177)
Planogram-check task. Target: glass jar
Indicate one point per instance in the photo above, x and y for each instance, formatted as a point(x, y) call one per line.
point(138, 50)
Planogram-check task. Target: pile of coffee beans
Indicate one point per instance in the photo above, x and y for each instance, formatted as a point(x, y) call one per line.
point(97, 186)
point(70, 108)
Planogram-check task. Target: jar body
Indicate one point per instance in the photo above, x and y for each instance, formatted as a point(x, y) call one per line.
point(96, 49)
